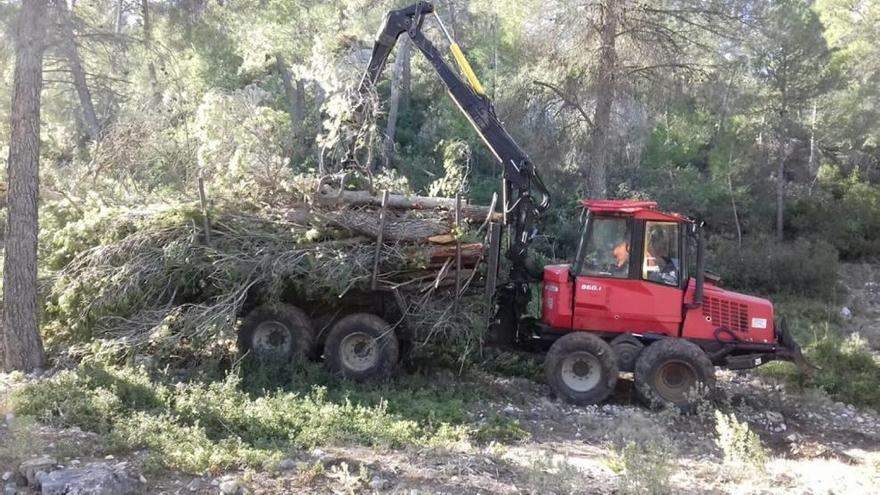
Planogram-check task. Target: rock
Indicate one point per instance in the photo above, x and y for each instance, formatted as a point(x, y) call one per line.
point(31, 467)
point(794, 437)
point(378, 483)
point(10, 489)
point(230, 487)
point(194, 485)
point(774, 417)
point(7, 475)
point(285, 465)
point(845, 313)
point(98, 478)
point(510, 410)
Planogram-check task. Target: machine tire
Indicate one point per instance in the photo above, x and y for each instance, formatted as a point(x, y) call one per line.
point(277, 331)
point(581, 368)
point(362, 347)
point(627, 349)
point(668, 370)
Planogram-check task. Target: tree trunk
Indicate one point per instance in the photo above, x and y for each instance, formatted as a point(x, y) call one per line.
point(605, 89)
point(145, 14)
point(814, 155)
point(394, 104)
point(22, 343)
point(780, 190)
point(406, 73)
point(117, 27)
point(148, 40)
point(739, 234)
point(71, 51)
point(295, 93)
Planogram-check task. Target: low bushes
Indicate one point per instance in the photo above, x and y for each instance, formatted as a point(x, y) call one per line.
point(848, 370)
point(208, 426)
point(762, 265)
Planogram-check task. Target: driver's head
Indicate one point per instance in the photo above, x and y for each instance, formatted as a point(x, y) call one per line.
point(621, 253)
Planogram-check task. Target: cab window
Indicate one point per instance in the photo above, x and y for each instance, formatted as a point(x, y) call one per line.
point(662, 259)
point(607, 250)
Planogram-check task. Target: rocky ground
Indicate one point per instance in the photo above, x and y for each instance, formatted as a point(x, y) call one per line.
point(814, 445)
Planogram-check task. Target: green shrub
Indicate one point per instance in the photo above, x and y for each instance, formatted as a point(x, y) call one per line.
point(741, 446)
point(643, 467)
point(762, 265)
point(847, 370)
point(201, 426)
point(844, 210)
point(501, 429)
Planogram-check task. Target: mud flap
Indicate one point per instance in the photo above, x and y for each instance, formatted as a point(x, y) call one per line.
point(790, 349)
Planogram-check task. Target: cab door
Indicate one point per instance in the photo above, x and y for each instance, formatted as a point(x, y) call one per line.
point(639, 292)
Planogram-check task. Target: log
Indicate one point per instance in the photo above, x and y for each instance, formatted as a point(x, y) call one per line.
point(470, 253)
point(397, 227)
point(442, 239)
point(474, 213)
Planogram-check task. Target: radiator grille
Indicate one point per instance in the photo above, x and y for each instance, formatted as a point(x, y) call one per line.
point(727, 314)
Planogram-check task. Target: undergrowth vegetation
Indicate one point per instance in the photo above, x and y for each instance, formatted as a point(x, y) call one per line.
point(848, 369)
point(739, 444)
point(249, 418)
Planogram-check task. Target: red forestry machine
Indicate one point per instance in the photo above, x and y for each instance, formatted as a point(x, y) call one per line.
point(635, 298)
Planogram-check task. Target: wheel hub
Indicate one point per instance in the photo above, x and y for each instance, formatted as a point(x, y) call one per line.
point(674, 380)
point(581, 371)
point(359, 351)
point(272, 338)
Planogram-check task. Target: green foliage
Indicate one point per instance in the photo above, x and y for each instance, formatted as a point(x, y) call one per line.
point(848, 369)
point(456, 165)
point(510, 364)
point(801, 267)
point(740, 445)
point(643, 467)
point(201, 426)
point(501, 429)
point(243, 144)
point(843, 210)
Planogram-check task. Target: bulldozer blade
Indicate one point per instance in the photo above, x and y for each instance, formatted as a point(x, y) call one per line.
point(792, 350)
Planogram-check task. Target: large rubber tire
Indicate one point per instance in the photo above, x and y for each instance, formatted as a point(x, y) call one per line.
point(581, 368)
point(627, 349)
point(673, 372)
point(362, 347)
point(277, 331)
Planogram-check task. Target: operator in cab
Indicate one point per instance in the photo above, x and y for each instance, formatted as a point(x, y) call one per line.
point(621, 258)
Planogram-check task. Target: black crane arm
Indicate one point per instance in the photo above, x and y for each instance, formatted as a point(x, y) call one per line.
point(519, 178)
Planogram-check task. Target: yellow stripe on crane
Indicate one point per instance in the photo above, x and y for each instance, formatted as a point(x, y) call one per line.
point(466, 69)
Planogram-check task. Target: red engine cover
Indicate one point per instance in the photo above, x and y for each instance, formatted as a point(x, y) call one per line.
point(621, 305)
point(747, 318)
point(556, 302)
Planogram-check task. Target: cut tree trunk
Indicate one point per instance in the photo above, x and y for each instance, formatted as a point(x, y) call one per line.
point(470, 254)
point(71, 51)
point(22, 345)
point(329, 196)
point(397, 227)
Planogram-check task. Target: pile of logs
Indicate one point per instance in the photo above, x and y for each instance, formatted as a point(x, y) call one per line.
point(430, 227)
